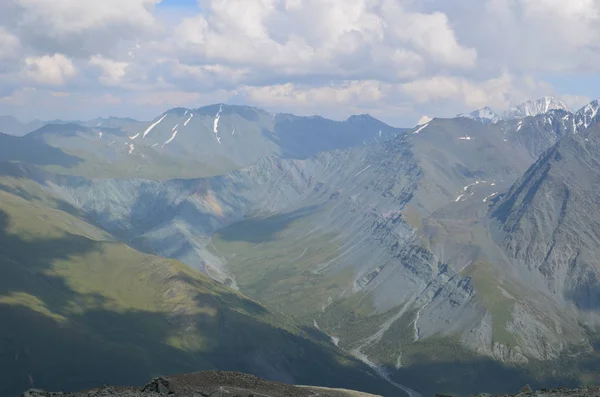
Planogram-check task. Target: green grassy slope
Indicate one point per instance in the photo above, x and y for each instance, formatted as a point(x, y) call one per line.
point(152, 166)
point(278, 266)
point(79, 309)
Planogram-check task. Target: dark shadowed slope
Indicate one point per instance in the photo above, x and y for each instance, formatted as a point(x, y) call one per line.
point(81, 310)
point(17, 149)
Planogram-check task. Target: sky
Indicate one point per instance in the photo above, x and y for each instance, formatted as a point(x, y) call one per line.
point(398, 60)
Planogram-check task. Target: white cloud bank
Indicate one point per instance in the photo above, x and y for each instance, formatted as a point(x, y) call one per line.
point(398, 59)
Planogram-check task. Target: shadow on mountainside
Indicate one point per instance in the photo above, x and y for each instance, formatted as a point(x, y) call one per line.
point(56, 336)
point(478, 375)
point(261, 230)
point(22, 150)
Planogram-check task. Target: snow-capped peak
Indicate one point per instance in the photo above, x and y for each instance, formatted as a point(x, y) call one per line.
point(484, 115)
point(533, 108)
point(589, 114)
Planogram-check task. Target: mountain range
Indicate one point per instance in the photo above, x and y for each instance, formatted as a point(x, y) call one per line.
point(457, 256)
point(529, 108)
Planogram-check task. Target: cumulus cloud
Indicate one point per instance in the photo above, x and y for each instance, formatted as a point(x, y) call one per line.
point(498, 92)
point(112, 71)
point(352, 92)
point(424, 120)
point(9, 45)
point(398, 59)
point(529, 36)
point(346, 39)
point(49, 69)
point(79, 28)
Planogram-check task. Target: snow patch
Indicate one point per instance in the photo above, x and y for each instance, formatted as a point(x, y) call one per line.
point(170, 139)
point(421, 128)
point(100, 135)
point(472, 184)
point(174, 128)
point(216, 124)
point(465, 138)
point(188, 120)
point(135, 136)
point(153, 125)
point(131, 148)
point(363, 170)
point(489, 197)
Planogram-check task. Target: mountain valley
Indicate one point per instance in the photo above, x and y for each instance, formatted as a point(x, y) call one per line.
point(436, 257)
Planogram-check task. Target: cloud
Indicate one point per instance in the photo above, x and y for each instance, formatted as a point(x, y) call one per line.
point(49, 69)
point(398, 59)
point(9, 45)
point(352, 92)
point(112, 71)
point(79, 28)
point(424, 120)
point(529, 36)
point(343, 38)
point(575, 102)
point(498, 92)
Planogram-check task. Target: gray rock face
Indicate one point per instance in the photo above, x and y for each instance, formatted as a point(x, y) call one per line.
point(549, 223)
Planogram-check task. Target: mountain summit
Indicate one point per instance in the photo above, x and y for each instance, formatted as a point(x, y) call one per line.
point(484, 115)
point(533, 108)
point(543, 105)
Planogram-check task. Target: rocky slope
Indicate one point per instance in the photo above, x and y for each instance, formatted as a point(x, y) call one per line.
point(83, 309)
point(381, 241)
point(218, 383)
point(381, 246)
point(549, 225)
point(208, 384)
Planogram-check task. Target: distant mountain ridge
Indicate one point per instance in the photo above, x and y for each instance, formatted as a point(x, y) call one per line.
point(13, 126)
point(533, 108)
point(529, 108)
point(206, 141)
point(484, 115)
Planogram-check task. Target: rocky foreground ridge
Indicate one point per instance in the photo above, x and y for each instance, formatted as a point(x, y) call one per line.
point(235, 384)
point(207, 384)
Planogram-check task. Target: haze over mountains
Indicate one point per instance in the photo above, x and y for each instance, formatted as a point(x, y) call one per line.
point(456, 256)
